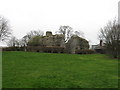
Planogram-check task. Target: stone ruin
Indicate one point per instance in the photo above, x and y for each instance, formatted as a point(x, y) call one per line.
point(53, 40)
point(76, 43)
point(56, 44)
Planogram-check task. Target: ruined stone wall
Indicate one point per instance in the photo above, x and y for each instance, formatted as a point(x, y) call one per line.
point(54, 40)
point(56, 43)
point(48, 41)
point(76, 43)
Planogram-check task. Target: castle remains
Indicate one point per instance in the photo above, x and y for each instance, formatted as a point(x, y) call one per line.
point(56, 44)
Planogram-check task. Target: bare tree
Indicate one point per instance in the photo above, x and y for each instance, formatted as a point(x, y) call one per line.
point(33, 33)
point(13, 42)
point(110, 34)
point(30, 35)
point(5, 31)
point(24, 41)
point(66, 31)
point(79, 33)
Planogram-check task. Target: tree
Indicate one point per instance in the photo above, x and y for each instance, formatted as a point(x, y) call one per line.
point(5, 30)
point(33, 33)
point(79, 33)
point(24, 41)
point(35, 41)
point(30, 35)
point(13, 42)
point(66, 31)
point(110, 34)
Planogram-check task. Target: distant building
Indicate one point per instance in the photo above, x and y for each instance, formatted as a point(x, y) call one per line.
point(94, 46)
point(100, 48)
point(49, 43)
point(56, 44)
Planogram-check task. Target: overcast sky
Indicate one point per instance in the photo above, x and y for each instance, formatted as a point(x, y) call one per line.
point(47, 15)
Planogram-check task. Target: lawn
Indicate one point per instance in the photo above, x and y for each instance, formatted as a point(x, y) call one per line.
point(45, 70)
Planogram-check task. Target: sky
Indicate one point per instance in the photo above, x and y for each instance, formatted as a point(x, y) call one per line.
point(87, 16)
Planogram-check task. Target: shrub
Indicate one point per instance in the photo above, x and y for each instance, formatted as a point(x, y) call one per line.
point(85, 51)
point(13, 49)
point(34, 48)
point(102, 51)
point(53, 49)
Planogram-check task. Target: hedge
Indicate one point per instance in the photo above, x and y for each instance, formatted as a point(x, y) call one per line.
point(13, 49)
point(53, 49)
point(85, 51)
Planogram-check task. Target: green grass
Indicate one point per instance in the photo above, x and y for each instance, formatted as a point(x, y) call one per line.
point(45, 70)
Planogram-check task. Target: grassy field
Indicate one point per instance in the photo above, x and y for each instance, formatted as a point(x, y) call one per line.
point(45, 70)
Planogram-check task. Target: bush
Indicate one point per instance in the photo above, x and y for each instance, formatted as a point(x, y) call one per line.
point(35, 48)
point(85, 51)
point(53, 49)
point(13, 49)
point(101, 51)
